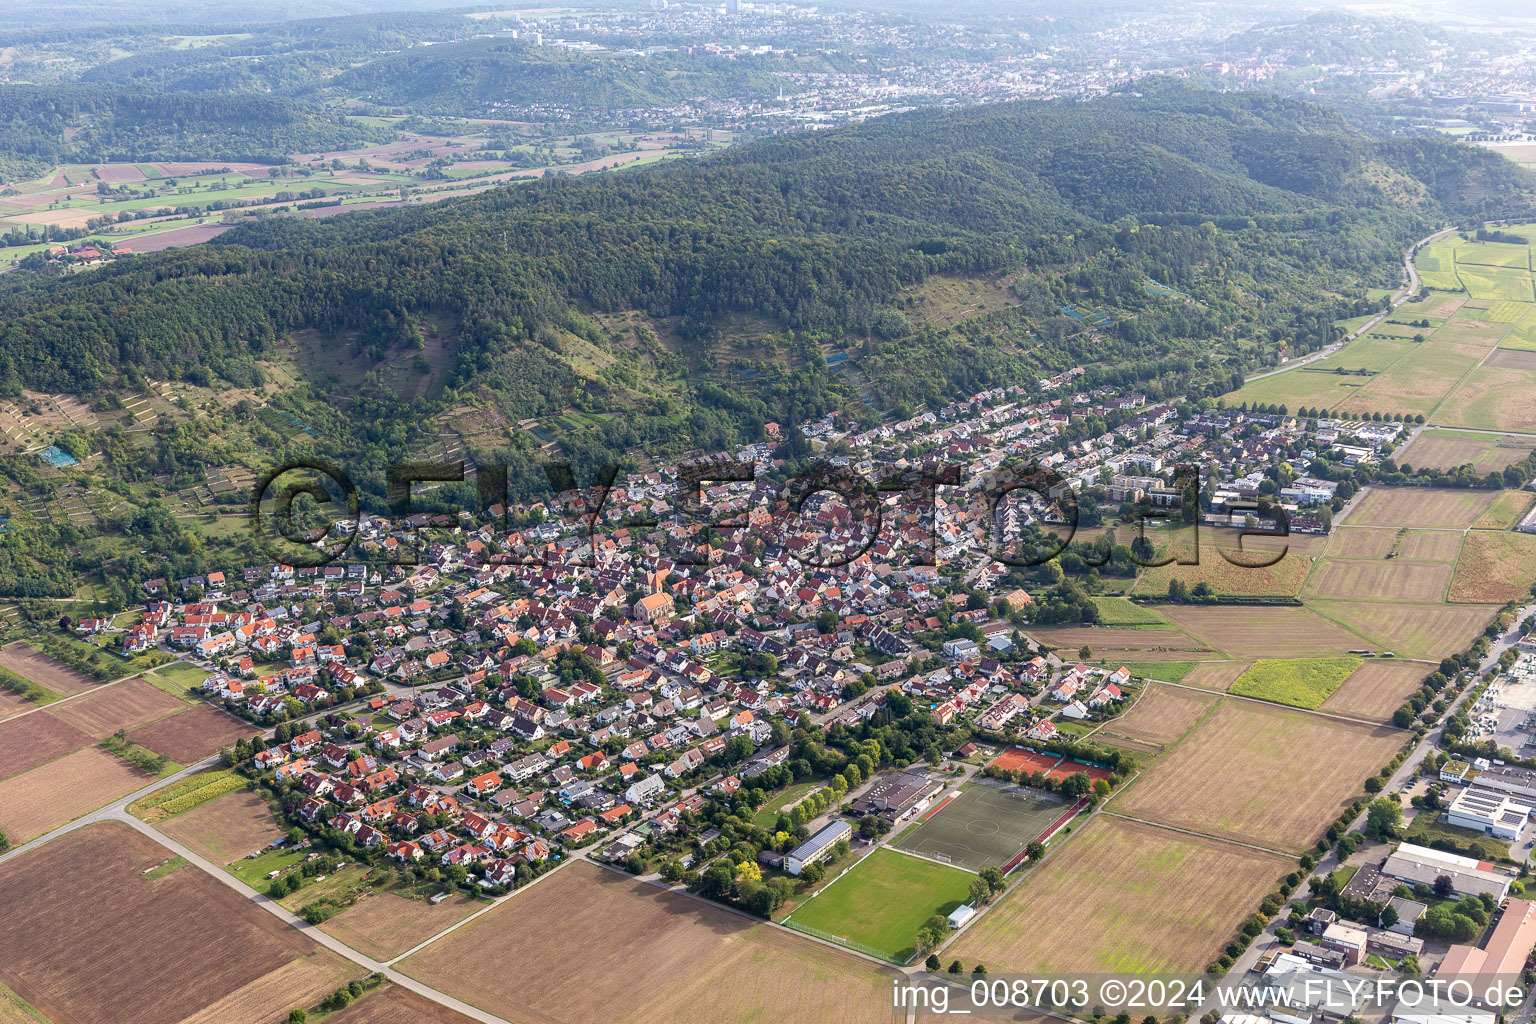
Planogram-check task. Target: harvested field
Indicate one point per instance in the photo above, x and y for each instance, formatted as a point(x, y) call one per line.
point(1360, 542)
point(1427, 632)
point(1163, 714)
point(396, 1005)
point(301, 982)
point(1397, 580)
point(124, 705)
point(1216, 675)
point(42, 799)
point(1124, 644)
point(226, 829)
point(1264, 775)
point(43, 670)
point(1495, 567)
point(1123, 896)
point(1218, 550)
point(1377, 689)
point(1445, 450)
point(138, 946)
point(678, 954)
point(194, 734)
point(32, 740)
point(1247, 632)
point(1498, 396)
point(1433, 545)
point(1419, 507)
point(384, 925)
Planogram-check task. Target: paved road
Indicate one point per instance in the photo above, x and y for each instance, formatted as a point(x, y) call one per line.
point(1409, 288)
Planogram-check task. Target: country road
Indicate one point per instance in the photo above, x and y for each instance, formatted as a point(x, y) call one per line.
point(1409, 288)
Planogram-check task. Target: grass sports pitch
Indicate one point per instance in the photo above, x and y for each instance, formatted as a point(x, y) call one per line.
point(984, 827)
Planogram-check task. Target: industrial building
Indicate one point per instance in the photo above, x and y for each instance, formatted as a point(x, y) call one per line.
point(1506, 951)
point(1469, 877)
point(816, 848)
point(1489, 811)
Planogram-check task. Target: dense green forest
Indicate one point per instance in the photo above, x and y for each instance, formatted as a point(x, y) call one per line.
point(1250, 207)
point(478, 76)
point(44, 126)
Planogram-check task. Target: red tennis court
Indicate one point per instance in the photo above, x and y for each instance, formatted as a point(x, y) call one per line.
point(1018, 759)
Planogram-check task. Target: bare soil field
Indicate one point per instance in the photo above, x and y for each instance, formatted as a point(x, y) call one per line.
point(1427, 632)
point(12, 705)
point(1495, 567)
point(1445, 450)
point(1163, 714)
point(1248, 632)
point(124, 705)
point(1216, 675)
point(1264, 775)
point(226, 828)
point(1512, 359)
point(1123, 896)
point(385, 925)
point(35, 739)
point(1397, 580)
point(140, 950)
point(1377, 688)
point(645, 955)
point(194, 734)
point(43, 670)
point(396, 1005)
point(41, 800)
point(1124, 644)
point(1419, 507)
point(177, 237)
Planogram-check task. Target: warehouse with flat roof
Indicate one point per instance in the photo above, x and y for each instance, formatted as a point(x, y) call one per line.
point(1469, 877)
point(816, 848)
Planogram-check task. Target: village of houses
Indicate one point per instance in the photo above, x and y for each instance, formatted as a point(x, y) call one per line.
point(541, 693)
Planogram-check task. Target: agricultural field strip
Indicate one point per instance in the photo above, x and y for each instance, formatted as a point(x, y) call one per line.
point(1430, 417)
point(117, 811)
point(74, 696)
point(1348, 719)
point(1197, 834)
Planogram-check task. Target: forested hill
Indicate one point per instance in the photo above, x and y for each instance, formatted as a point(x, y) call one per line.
point(1249, 206)
point(483, 76)
point(44, 126)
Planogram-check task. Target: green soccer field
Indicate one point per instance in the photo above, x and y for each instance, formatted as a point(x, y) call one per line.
point(985, 826)
point(883, 901)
